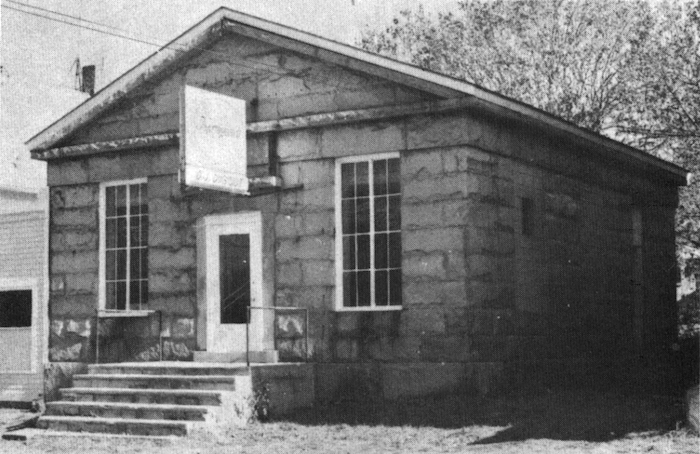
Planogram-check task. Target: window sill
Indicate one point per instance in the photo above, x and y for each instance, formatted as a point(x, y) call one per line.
point(109, 313)
point(369, 309)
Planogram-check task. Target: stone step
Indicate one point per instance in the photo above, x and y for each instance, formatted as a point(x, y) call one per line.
point(150, 396)
point(50, 436)
point(139, 381)
point(113, 425)
point(255, 357)
point(169, 368)
point(127, 410)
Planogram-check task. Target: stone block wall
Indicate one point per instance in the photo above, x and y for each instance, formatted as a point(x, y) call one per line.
point(74, 262)
point(477, 288)
point(73, 271)
point(517, 242)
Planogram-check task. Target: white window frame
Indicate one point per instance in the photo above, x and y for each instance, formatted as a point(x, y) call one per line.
point(339, 234)
point(102, 300)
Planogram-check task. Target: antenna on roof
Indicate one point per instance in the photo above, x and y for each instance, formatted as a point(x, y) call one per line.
point(76, 65)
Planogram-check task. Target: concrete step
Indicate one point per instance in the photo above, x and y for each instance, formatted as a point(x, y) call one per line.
point(256, 357)
point(50, 436)
point(113, 425)
point(169, 368)
point(139, 381)
point(127, 410)
point(150, 396)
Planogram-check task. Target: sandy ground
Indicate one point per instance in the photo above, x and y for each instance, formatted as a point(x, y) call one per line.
point(293, 438)
point(569, 423)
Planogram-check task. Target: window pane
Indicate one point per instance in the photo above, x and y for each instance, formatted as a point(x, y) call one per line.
point(347, 178)
point(144, 292)
point(121, 201)
point(380, 250)
point(381, 290)
point(111, 265)
point(234, 277)
point(135, 230)
point(121, 264)
point(144, 263)
point(349, 252)
point(348, 216)
point(134, 295)
point(363, 288)
point(380, 214)
point(349, 289)
point(121, 232)
point(135, 198)
point(362, 179)
point(394, 176)
point(380, 177)
point(135, 265)
point(144, 198)
point(111, 233)
point(110, 194)
point(111, 294)
point(395, 212)
point(395, 287)
point(363, 215)
point(395, 250)
point(138, 201)
point(363, 252)
point(121, 295)
point(144, 231)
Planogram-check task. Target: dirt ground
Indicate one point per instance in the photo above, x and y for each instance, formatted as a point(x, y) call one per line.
point(598, 423)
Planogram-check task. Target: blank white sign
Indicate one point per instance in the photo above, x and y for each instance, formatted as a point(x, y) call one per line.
point(212, 141)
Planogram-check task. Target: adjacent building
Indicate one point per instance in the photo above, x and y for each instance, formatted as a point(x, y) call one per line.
point(23, 294)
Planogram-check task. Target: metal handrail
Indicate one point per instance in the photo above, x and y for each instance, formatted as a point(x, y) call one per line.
point(236, 294)
point(274, 309)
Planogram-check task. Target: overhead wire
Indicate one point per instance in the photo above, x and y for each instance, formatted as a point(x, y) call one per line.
point(58, 13)
point(126, 35)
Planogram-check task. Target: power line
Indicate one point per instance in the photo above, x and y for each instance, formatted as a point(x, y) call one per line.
point(79, 25)
point(27, 5)
point(124, 36)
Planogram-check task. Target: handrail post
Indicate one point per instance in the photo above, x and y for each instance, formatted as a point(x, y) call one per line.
point(97, 336)
point(247, 338)
point(306, 335)
point(160, 335)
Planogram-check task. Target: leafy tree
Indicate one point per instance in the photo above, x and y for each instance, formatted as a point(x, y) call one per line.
point(629, 70)
point(664, 116)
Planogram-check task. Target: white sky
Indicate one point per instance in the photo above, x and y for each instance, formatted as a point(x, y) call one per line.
point(37, 55)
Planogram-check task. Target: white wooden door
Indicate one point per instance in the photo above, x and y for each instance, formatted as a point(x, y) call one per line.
point(232, 275)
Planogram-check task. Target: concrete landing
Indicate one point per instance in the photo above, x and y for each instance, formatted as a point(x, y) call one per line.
point(258, 357)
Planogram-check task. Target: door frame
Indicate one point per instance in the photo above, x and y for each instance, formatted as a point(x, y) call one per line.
point(209, 228)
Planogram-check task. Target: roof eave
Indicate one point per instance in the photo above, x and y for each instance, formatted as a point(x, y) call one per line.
point(292, 38)
point(120, 87)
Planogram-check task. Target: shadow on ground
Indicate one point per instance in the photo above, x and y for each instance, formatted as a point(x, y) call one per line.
point(571, 415)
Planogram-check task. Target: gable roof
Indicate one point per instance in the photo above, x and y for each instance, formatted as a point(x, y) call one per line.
point(226, 20)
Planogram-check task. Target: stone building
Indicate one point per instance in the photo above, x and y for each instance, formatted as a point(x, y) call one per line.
point(437, 234)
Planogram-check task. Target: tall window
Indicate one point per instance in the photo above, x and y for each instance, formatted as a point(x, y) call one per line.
point(369, 237)
point(125, 247)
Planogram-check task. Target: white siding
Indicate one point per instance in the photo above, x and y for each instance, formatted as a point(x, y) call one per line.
point(24, 264)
